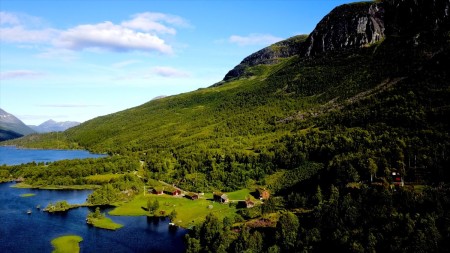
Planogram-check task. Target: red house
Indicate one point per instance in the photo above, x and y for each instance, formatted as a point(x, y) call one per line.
point(176, 192)
point(192, 196)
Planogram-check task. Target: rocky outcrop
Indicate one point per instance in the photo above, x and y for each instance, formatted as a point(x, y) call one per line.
point(269, 55)
point(347, 26)
point(358, 25)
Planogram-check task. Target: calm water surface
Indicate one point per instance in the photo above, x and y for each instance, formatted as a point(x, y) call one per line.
point(14, 156)
point(21, 232)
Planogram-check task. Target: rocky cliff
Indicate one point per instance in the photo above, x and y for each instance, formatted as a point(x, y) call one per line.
point(347, 26)
point(358, 25)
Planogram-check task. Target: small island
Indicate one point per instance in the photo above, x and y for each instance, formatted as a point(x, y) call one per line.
point(98, 219)
point(66, 244)
point(27, 195)
point(60, 206)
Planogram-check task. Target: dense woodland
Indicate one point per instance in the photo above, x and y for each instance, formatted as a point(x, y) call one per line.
point(323, 134)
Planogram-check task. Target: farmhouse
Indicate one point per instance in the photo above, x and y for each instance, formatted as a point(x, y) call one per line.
point(249, 203)
point(221, 197)
point(192, 196)
point(176, 192)
point(158, 190)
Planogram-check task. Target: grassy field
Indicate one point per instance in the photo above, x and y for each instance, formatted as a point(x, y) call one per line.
point(106, 223)
point(189, 212)
point(239, 195)
point(26, 195)
point(67, 244)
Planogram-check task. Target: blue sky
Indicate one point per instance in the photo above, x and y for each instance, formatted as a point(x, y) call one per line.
point(76, 60)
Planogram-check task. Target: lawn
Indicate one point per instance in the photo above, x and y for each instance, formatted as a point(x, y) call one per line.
point(106, 223)
point(67, 244)
point(189, 212)
point(239, 195)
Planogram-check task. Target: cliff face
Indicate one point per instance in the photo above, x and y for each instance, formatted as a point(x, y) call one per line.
point(361, 24)
point(347, 26)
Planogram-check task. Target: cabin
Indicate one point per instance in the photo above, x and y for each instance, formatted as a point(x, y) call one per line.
point(263, 194)
point(158, 190)
point(20, 180)
point(192, 196)
point(176, 192)
point(171, 190)
point(249, 203)
point(220, 197)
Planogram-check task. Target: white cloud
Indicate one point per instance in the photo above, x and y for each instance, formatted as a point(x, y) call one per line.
point(140, 33)
point(254, 39)
point(7, 18)
point(22, 28)
point(169, 72)
point(18, 74)
point(112, 37)
point(23, 35)
point(152, 21)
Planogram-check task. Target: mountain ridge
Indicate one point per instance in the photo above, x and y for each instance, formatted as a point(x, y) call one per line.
point(54, 126)
point(11, 127)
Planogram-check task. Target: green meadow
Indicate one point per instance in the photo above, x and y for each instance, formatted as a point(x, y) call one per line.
point(66, 244)
point(189, 212)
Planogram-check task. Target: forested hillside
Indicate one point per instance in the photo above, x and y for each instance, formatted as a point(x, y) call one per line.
point(322, 127)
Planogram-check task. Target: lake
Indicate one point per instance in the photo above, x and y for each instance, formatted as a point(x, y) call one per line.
point(13, 156)
point(22, 232)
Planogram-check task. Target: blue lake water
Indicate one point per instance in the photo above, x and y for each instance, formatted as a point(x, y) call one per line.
point(14, 156)
point(22, 232)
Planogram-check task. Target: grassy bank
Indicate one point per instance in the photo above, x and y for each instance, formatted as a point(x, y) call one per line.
point(105, 223)
point(66, 244)
point(189, 212)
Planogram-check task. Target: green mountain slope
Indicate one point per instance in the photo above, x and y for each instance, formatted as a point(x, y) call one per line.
point(376, 89)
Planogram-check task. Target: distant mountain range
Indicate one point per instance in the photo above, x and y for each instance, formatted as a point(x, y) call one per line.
point(53, 126)
point(12, 127)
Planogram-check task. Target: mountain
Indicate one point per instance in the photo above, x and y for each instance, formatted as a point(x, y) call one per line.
point(11, 127)
point(369, 82)
point(53, 126)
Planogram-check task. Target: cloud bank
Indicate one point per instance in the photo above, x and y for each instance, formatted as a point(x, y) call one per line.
point(143, 32)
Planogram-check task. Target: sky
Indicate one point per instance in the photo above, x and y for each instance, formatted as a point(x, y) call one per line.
point(76, 60)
